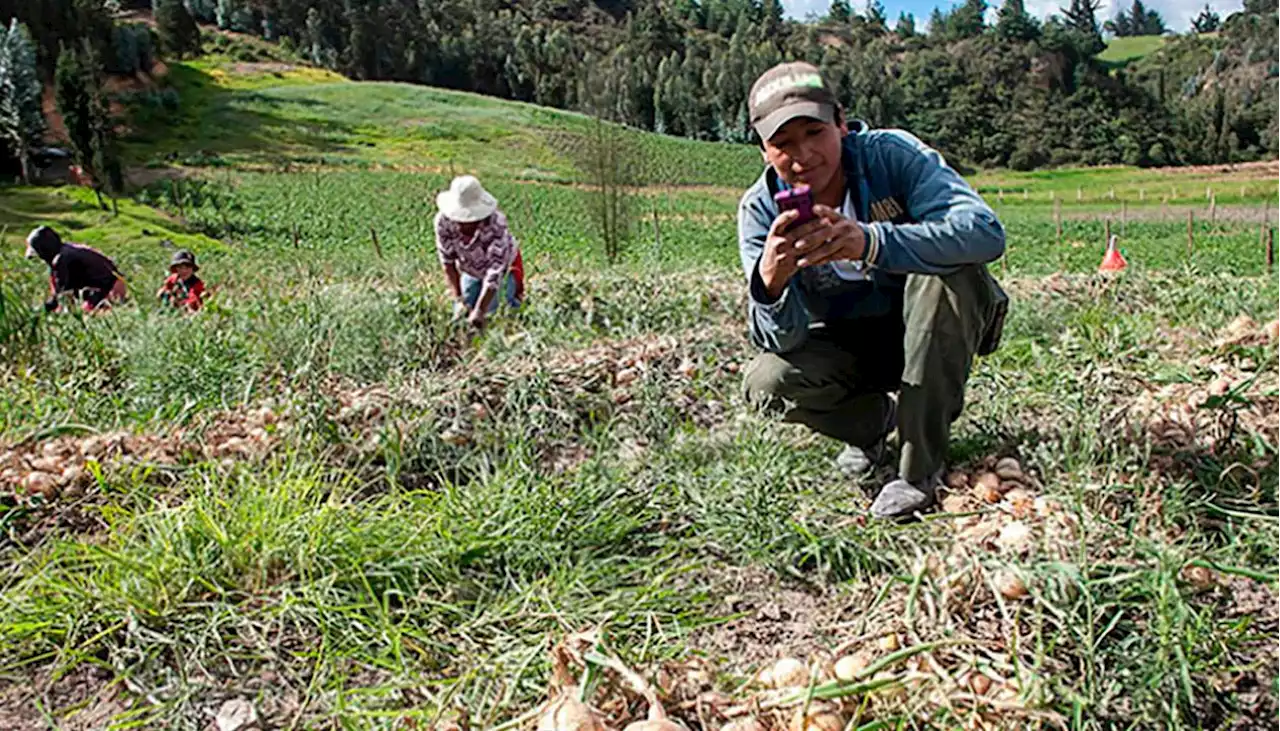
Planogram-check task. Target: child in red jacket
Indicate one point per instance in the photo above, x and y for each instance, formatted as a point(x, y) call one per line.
point(182, 288)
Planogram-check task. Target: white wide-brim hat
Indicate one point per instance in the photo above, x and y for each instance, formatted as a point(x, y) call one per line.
point(466, 201)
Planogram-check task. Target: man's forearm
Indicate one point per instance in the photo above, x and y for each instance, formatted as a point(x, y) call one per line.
point(486, 298)
point(454, 280)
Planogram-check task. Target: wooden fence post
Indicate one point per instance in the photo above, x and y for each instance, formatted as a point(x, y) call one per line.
point(657, 229)
point(1262, 227)
point(1191, 240)
point(1057, 217)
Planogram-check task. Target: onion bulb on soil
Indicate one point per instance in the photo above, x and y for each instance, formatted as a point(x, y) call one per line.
point(455, 437)
point(987, 487)
point(979, 683)
point(957, 480)
point(849, 666)
point(789, 673)
point(889, 643)
point(1009, 469)
point(1198, 576)
point(1272, 330)
point(750, 723)
point(765, 676)
point(1010, 585)
point(567, 713)
point(625, 376)
point(821, 717)
point(43, 483)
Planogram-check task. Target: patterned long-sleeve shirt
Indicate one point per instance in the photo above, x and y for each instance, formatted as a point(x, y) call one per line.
point(486, 255)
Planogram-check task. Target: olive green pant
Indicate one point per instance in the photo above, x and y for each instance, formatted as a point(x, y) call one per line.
point(837, 382)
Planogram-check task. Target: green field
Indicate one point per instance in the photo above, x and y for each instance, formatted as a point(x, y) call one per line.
point(1120, 51)
point(321, 497)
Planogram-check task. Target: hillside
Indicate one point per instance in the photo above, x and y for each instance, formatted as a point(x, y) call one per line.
point(274, 113)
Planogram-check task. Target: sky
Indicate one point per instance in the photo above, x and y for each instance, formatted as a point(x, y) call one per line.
point(1177, 13)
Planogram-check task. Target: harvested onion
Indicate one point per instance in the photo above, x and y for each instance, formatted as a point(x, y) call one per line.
point(849, 666)
point(789, 673)
point(569, 714)
point(821, 717)
point(979, 683)
point(41, 482)
point(1010, 585)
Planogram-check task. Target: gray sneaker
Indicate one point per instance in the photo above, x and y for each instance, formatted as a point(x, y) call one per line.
point(902, 499)
point(853, 461)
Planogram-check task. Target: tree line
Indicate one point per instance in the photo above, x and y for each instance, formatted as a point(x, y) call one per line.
point(1019, 92)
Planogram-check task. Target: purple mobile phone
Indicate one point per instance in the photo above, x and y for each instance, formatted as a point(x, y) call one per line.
point(798, 199)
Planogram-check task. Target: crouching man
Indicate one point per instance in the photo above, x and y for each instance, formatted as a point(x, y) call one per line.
point(885, 290)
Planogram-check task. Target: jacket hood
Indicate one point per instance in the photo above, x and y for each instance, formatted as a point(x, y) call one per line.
point(45, 243)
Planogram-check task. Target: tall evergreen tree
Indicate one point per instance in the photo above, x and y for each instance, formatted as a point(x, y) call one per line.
point(1207, 21)
point(1082, 19)
point(82, 103)
point(968, 20)
point(906, 26)
point(1014, 23)
point(21, 114)
point(179, 34)
point(839, 12)
point(876, 20)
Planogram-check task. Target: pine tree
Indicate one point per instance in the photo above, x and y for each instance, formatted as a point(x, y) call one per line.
point(967, 21)
point(1207, 21)
point(21, 114)
point(1014, 23)
point(839, 12)
point(72, 97)
point(937, 24)
point(906, 26)
point(876, 19)
point(179, 34)
point(1082, 19)
point(82, 103)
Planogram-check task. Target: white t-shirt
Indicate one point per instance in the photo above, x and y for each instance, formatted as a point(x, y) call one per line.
point(849, 270)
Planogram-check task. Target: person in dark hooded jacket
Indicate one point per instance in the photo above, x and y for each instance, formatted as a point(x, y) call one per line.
point(76, 270)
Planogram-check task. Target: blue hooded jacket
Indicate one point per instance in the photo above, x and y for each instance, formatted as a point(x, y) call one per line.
point(918, 215)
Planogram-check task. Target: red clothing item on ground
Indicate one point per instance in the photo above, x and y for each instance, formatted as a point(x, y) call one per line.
point(517, 271)
point(188, 294)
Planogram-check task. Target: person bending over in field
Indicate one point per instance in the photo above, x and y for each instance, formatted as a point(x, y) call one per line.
point(481, 258)
point(182, 289)
point(885, 289)
point(76, 271)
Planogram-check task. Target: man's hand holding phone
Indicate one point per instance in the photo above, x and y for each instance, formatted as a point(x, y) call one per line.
point(790, 247)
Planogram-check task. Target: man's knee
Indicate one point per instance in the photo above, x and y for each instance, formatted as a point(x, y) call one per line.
point(768, 377)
